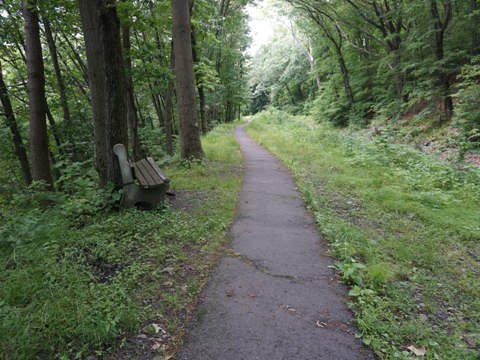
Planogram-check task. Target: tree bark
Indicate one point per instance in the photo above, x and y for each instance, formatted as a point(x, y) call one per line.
point(11, 122)
point(190, 145)
point(90, 15)
point(36, 96)
point(115, 99)
point(101, 30)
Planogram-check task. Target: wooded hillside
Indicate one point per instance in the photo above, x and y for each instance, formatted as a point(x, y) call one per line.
point(351, 62)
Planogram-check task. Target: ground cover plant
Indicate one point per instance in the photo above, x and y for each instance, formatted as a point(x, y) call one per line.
point(79, 279)
point(403, 226)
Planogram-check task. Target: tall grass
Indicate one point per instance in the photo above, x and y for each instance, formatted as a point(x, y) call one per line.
point(404, 227)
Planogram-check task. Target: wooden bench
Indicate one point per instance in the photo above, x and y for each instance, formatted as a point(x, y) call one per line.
point(152, 184)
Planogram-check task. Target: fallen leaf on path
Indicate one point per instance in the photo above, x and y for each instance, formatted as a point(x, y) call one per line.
point(469, 341)
point(417, 351)
point(168, 270)
point(158, 328)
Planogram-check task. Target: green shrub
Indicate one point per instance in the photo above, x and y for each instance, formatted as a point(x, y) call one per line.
point(467, 110)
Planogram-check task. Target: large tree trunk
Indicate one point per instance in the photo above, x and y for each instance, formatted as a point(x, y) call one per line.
point(36, 96)
point(90, 14)
point(190, 145)
point(131, 110)
point(115, 99)
point(11, 122)
point(101, 29)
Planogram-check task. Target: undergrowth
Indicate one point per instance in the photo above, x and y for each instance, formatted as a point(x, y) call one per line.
point(78, 279)
point(404, 227)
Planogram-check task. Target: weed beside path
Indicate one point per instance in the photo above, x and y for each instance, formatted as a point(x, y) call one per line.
point(77, 283)
point(404, 228)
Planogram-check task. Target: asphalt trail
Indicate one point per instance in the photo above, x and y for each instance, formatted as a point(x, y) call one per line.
point(274, 296)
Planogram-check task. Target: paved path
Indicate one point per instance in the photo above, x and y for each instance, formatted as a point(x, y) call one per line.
point(264, 301)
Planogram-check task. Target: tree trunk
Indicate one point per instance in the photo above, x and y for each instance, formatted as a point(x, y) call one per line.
point(54, 129)
point(101, 30)
point(337, 44)
point(36, 96)
point(115, 99)
point(190, 145)
point(76, 58)
point(131, 110)
point(90, 15)
point(169, 106)
point(141, 122)
point(440, 27)
point(345, 76)
point(203, 112)
point(11, 122)
point(292, 98)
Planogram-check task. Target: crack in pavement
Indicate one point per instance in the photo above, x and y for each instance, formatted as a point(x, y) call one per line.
point(255, 263)
point(228, 252)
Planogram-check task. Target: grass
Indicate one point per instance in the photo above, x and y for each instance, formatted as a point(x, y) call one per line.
point(78, 281)
point(404, 228)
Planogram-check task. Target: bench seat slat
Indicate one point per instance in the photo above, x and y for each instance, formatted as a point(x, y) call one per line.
point(141, 167)
point(139, 175)
point(148, 173)
point(157, 170)
point(151, 171)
